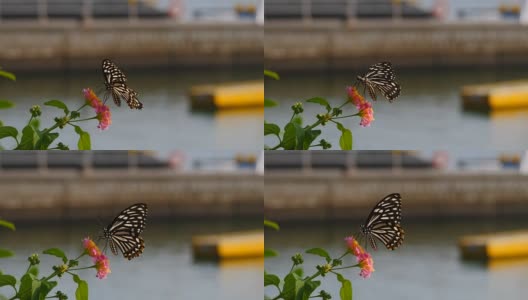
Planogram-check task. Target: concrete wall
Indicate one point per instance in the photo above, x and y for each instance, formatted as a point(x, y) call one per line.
point(73, 195)
point(341, 45)
point(72, 45)
point(339, 195)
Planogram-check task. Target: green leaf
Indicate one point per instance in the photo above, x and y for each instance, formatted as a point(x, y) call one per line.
point(299, 131)
point(346, 287)
point(7, 75)
point(25, 289)
point(82, 288)
point(320, 101)
point(33, 271)
point(7, 280)
point(45, 140)
point(271, 74)
point(270, 128)
point(271, 279)
point(8, 131)
point(58, 104)
point(292, 284)
point(297, 119)
point(28, 139)
point(43, 288)
point(56, 252)
point(309, 137)
point(290, 138)
point(6, 253)
point(271, 224)
point(345, 141)
point(270, 103)
point(307, 289)
point(84, 139)
point(7, 224)
point(270, 253)
point(320, 252)
point(5, 104)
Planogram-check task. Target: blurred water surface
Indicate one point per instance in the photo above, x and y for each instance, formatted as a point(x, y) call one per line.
point(166, 270)
point(166, 123)
point(427, 266)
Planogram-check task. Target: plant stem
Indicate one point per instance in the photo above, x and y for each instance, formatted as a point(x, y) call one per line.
point(342, 117)
point(342, 268)
point(91, 267)
point(92, 118)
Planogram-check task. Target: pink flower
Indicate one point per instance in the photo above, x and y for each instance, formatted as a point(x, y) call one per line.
point(102, 265)
point(103, 112)
point(366, 263)
point(104, 116)
point(364, 259)
point(354, 246)
point(354, 96)
point(90, 247)
point(366, 113)
point(91, 98)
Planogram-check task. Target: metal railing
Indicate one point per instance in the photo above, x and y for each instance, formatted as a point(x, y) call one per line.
point(349, 161)
point(347, 9)
point(84, 10)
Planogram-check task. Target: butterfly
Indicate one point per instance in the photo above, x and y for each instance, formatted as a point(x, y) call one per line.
point(123, 232)
point(115, 83)
point(381, 77)
point(383, 223)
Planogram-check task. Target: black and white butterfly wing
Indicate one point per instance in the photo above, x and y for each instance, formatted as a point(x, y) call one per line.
point(381, 77)
point(115, 83)
point(383, 223)
point(123, 233)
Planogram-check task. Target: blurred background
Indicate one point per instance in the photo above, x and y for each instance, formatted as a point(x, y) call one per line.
point(195, 64)
point(461, 65)
point(203, 237)
point(464, 219)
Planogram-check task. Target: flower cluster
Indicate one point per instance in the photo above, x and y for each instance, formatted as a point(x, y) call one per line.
point(102, 264)
point(365, 110)
point(103, 111)
point(364, 259)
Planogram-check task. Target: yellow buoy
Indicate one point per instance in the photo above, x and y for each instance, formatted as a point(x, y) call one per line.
point(229, 245)
point(495, 96)
point(496, 245)
point(228, 95)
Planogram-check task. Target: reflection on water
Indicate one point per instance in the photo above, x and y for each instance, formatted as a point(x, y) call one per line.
point(427, 266)
point(166, 123)
point(427, 116)
point(166, 270)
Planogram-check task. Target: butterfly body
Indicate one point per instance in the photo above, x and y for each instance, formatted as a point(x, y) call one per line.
point(383, 223)
point(115, 84)
point(123, 233)
point(381, 77)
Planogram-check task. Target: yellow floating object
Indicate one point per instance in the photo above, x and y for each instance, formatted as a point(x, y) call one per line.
point(229, 245)
point(499, 95)
point(511, 244)
point(228, 95)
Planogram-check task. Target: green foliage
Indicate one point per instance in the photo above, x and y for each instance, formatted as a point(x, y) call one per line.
point(5, 104)
point(296, 136)
point(271, 224)
point(31, 137)
point(33, 287)
point(296, 286)
point(271, 74)
point(56, 252)
point(7, 75)
point(4, 252)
